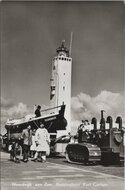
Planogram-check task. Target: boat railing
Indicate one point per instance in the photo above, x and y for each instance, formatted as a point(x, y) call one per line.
point(49, 111)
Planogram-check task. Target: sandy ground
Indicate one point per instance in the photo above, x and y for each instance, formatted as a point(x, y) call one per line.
point(56, 173)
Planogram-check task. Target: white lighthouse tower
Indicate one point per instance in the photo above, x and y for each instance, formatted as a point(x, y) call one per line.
point(61, 81)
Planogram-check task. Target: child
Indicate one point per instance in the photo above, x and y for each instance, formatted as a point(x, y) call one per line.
point(33, 146)
point(15, 151)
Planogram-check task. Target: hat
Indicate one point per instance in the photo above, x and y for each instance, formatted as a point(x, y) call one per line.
point(39, 107)
point(41, 124)
point(29, 126)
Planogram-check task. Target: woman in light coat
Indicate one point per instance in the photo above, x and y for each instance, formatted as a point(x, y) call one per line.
point(42, 142)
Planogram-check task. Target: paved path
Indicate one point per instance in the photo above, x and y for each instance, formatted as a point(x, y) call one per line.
point(39, 176)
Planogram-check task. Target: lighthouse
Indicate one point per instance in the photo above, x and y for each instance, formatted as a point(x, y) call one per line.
point(60, 93)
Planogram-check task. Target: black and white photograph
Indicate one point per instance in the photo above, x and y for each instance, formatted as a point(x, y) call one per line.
point(62, 95)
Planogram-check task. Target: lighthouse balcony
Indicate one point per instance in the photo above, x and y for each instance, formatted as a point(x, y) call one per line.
point(64, 58)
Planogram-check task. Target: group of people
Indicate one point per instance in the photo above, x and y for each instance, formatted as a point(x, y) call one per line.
point(36, 143)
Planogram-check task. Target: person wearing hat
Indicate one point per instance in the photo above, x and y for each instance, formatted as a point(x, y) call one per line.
point(27, 141)
point(37, 111)
point(42, 141)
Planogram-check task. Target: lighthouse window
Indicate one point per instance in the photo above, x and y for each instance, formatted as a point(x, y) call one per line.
point(65, 59)
point(52, 87)
point(63, 87)
point(62, 58)
point(64, 73)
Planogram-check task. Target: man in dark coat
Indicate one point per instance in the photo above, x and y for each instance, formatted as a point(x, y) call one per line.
point(27, 137)
point(37, 111)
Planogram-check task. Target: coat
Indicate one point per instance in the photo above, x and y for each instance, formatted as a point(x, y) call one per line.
point(42, 140)
point(37, 113)
point(27, 137)
point(33, 146)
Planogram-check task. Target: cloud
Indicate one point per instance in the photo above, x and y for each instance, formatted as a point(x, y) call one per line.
point(18, 110)
point(6, 103)
point(83, 107)
point(10, 110)
point(86, 107)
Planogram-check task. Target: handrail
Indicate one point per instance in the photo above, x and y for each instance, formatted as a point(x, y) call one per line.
point(51, 108)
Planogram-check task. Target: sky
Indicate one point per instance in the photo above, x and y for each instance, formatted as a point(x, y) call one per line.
point(32, 31)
